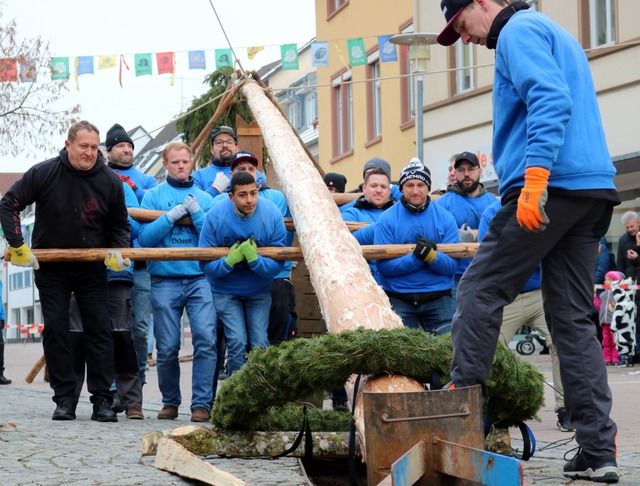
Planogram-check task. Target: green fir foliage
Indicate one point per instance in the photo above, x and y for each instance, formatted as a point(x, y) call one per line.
point(298, 368)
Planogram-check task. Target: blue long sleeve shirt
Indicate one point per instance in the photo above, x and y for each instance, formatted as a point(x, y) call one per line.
point(224, 227)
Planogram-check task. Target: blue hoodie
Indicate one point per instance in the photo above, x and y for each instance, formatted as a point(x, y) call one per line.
point(545, 110)
point(163, 234)
point(142, 181)
point(224, 227)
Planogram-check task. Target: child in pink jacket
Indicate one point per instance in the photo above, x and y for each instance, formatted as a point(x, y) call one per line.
point(605, 306)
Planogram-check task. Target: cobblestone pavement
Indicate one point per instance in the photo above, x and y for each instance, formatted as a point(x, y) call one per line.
point(34, 450)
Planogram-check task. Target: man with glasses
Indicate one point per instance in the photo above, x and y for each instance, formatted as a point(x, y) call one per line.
point(466, 199)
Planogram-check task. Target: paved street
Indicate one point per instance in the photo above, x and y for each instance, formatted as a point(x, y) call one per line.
point(36, 450)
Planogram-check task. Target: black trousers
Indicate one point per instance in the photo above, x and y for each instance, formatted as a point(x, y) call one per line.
point(283, 305)
point(88, 281)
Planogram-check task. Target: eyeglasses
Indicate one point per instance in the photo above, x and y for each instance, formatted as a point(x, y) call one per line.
point(470, 170)
point(220, 143)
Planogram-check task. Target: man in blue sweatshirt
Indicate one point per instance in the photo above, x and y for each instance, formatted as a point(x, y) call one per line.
point(418, 284)
point(180, 285)
point(241, 282)
point(556, 184)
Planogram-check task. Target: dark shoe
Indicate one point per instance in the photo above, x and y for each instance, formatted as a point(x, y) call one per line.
point(102, 411)
point(134, 413)
point(65, 410)
point(339, 405)
point(564, 424)
point(597, 470)
point(200, 414)
point(116, 406)
point(544, 350)
point(4, 380)
point(168, 412)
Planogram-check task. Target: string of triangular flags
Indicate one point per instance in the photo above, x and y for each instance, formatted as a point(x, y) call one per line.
point(26, 70)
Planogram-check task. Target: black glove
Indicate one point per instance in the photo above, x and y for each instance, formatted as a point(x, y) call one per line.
point(425, 250)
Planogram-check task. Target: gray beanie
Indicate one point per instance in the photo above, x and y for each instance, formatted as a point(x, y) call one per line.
point(377, 163)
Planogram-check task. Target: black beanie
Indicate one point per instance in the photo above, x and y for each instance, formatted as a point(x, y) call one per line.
point(115, 135)
point(338, 181)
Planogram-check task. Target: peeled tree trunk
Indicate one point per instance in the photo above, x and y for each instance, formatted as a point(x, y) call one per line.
point(348, 295)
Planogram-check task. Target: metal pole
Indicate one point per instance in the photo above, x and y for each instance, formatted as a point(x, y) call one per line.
point(419, 121)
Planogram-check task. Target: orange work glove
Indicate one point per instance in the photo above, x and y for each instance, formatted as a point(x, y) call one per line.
point(533, 197)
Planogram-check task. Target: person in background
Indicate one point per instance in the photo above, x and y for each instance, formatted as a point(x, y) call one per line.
point(336, 183)
point(371, 164)
point(605, 305)
point(79, 204)
point(120, 148)
point(177, 286)
point(3, 379)
point(451, 177)
point(555, 209)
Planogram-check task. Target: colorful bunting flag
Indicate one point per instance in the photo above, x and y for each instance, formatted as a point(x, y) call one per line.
point(28, 70)
point(197, 60)
point(165, 62)
point(387, 50)
point(223, 58)
point(60, 68)
point(8, 70)
point(357, 54)
point(106, 62)
point(320, 54)
point(344, 62)
point(252, 51)
point(143, 64)
point(289, 56)
point(84, 65)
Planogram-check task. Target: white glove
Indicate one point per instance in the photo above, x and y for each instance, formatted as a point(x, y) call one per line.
point(466, 234)
point(221, 182)
point(115, 262)
point(191, 203)
point(176, 213)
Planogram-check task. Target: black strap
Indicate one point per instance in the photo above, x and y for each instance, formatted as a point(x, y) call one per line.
point(351, 457)
point(527, 451)
point(308, 444)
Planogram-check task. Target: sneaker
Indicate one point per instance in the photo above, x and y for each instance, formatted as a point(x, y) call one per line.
point(339, 405)
point(134, 413)
point(65, 410)
point(597, 470)
point(200, 414)
point(564, 424)
point(168, 412)
point(4, 380)
point(102, 411)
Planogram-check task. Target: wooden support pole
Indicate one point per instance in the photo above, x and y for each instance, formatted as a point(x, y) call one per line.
point(35, 370)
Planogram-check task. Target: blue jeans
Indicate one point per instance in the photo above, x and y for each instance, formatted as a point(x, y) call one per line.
point(169, 297)
point(141, 305)
point(245, 320)
point(434, 316)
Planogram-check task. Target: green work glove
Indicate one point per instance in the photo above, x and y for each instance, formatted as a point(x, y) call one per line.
point(250, 249)
point(235, 255)
point(115, 262)
point(22, 257)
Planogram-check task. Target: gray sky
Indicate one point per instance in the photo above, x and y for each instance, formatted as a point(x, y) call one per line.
point(92, 28)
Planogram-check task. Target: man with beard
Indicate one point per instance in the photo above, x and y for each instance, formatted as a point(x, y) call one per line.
point(215, 178)
point(120, 147)
point(466, 200)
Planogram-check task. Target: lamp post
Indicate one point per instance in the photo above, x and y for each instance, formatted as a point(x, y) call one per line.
point(419, 55)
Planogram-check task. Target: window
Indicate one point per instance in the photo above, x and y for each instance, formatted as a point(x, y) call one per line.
point(293, 114)
point(464, 68)
point(374, 99)
point(602, 20)
point(342, 114)
point(16, 281)
point(311, 104)
point(407, 88)
point(27, 278)
point(334, 5)
point(534, 4)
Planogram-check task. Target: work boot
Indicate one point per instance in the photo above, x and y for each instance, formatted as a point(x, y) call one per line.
point(4, 380)
point(102, 411)
point(200, 414)
point(168, 412)
point(564, 424)
point(65, 410)
point(134, 413)
point(591, 469)
point(116, 406)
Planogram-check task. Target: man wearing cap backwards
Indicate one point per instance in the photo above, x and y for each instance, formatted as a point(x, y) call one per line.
point(556, 183)
point(120, 147)
point(418, 284)
point(466, 200)
point(79, 204)
point(214, 179)
point(241, 282)
point(282, 293)
point(180, 285)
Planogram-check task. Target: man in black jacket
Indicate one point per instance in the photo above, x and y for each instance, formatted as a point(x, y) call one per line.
point(79, 204)
point(627, 256)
